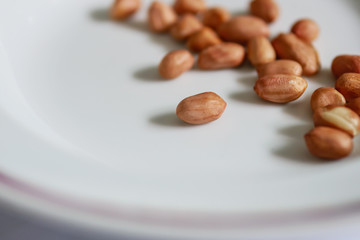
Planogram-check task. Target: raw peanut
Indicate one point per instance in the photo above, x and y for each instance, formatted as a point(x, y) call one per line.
point(328, 143)
point(216, 16)
point(185, 27)
point(242, 29)
point(267, 10)
point(161, 17)
point(260, 51)
point(349, 85)
point(306, 29)
point(175, 63)
point(326, 96)
point(289, 46)
point(354, 104)
point(224, 55)
point(203, 39)
point(189, 6)
point(345, 64)
point(287, 67)
point(201, 108)
point(280, 88)
point(339, 117)
point(122, 9)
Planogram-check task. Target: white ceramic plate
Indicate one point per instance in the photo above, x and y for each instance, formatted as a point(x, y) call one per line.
point(89, 134)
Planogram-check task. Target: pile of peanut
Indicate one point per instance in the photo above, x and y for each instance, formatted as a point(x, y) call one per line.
point(218, 38)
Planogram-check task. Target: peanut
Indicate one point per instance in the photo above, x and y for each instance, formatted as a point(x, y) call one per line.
point(185, 27)
point(242, 29)
point(326, 96)
point(328, 143)
point(122, 9)
point(306, 29)
point(175, 63)
point(161, 17)
point(349, 85)
point(339, 117)
point(267, 10)
point(280, 88)
point(289, 46)
point(203, 39)
point(189, 6)
point(260, 51)
point(216, 16)
point(287, 67)
point(201, 108)
point(224, 55)
point(354, 104)
point(345, 64)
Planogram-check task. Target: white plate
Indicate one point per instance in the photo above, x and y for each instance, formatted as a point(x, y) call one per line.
point(89, 134)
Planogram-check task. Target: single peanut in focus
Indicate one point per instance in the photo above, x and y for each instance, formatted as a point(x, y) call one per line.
point(306, 29)
point(202, 39)
point(289, 46)
point(354, 104)
point(242, 29)
point(287, 67)
point(328, 143)
point(175, 63)
point(224, 55)
point(280, 88)
point(345, 64)
point(214, 17)
point(339, 117)
point(349, 85)
point(326, 96)
point(201, 108)
point(268, 10)
point(185, 27)
point(161, 17)
point(260, 51)
point(122, 9)
point(189, 6)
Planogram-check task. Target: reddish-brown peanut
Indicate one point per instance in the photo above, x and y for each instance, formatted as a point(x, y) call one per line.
point(185, 27)
point(326, 96)
point(280, 88)
point(214, 17)
point(328, 143)
point(354, 104)
point(260, 51)
point(268, 10)
point(175, 63)
point(345, 64)
point(287, 67)
point(349, 85)
point(161, 17)
point(224, 55)
point(189, 6)
point(242, 29)
point(306, 29)
point(201, 108)
point(202, 39)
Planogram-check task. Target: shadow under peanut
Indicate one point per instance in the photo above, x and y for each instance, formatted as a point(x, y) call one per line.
point(148, 74)
point(168, 120)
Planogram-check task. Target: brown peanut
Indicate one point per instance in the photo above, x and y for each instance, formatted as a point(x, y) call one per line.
point(185, 27)
point(306, 29)
point(267, 10)
point(203, 39)
point(216, 16)
point(242, 29)
point(339, 117)
point(224, 55)
point(280, 88)
point(189, 6)
point(287, 67)
point(328, 143)
point(289, 46)
point(175, 63)
point(260, 51)
point(201, 108)
point(161, 17)
point(349, 85)
point(326, 96)
point(354, 104)
point(345, 64)
point(122, 9)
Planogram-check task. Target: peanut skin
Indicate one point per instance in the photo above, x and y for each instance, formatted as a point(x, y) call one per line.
point(306, 29)
point(345, 64)
point(287, 67)
point(349, 85)
point(175, 63)
point(268, 10)
point(123, 9)
point(260, 51)
point(326, 96)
